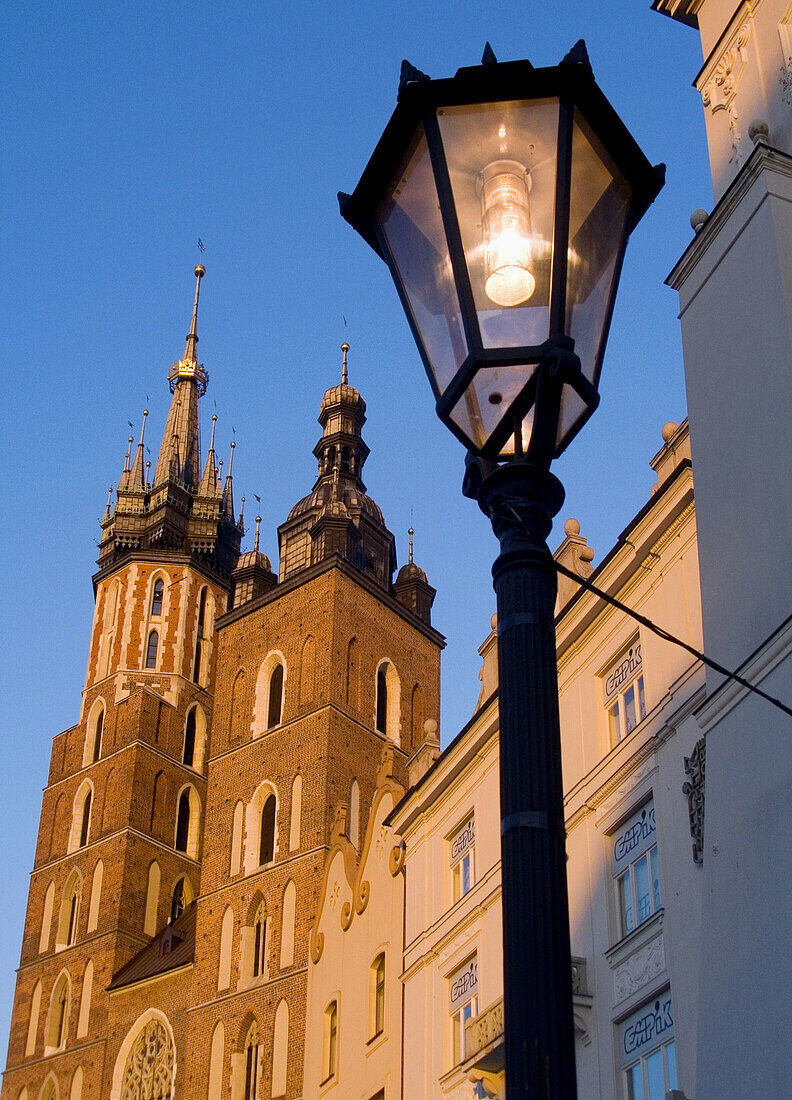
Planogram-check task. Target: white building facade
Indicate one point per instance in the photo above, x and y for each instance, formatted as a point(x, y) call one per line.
point(735, 291)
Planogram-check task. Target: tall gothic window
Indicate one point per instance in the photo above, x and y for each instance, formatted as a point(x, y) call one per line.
point(148, 1073)
point(189, 739)
point(382, 699)
point(251, 1063)
point(275, 697)
point(199, 637)
point(183, 822)
point(177, 900)
point(156, 597)
point(86, 820)
point(267, 837)
point(151, 649)
point(97, 743)
point(259, 942)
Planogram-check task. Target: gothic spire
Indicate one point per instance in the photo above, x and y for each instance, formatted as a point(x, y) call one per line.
point(179, 456)
point(137, 477)
point(209, 480)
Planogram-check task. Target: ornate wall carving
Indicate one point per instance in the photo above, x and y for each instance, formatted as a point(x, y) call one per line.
point(693, 787)
point(639, 969)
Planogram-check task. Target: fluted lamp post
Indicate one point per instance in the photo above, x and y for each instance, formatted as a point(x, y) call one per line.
point(501, 200)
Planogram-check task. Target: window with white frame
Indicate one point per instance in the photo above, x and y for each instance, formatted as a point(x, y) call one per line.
point(462, 1005)
point(625, 697)
point(636, 869)
point(462, 845)
point(647, 1052)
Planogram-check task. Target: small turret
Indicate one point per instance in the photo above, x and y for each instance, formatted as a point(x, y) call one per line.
point(338, 517)
point(412, 588)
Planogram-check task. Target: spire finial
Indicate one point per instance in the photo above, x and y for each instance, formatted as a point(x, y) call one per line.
point(109, 502)
point(130, 440)
point(214, 425)
point(190, 349)
point(411, 532)
point(148, 472)
point(231, 459)
point(256, 540)
point(242, 508)
point(344, 350)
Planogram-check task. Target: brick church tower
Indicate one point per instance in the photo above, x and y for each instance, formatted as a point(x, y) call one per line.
point(230, 720)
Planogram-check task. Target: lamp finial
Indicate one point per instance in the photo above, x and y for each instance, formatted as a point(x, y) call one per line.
point(344, 375)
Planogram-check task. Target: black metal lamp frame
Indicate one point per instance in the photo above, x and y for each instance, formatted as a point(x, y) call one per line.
point(572, 83)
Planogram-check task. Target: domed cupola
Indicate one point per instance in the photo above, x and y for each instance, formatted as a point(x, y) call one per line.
point(412, 587)
point(337, 516)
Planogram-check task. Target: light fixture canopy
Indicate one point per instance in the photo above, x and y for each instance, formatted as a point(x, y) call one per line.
point(502, 200)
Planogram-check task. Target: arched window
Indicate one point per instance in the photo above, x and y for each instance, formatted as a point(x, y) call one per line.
point(109, 620)
point(267, 832)
point(345, 460)
point(188, 816)
point(377, 996)
point(97, 737)
point(148, 1068)
point(259, 941)
point(69, 911)
point(183, 822)
point(261, 828)
point(50, 1090)
point(330, 1041)
point(252, 1063)
point(58, 1016)
point(151, 649)
point(275, 705)
point(387, 712)
point(189, 739)
point(308, 671)
point(236, 714)
point(382, 699)
point(199, 636)
point(180, 898)
point(85, 820)
point(157, 593)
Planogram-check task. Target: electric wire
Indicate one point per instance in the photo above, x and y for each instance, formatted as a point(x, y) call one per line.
point(661, 632)
point(668, 637)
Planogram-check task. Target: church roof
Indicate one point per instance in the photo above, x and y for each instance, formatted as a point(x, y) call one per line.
point(171, 948)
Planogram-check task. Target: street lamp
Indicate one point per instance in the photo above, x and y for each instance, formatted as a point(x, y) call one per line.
point(501, 200)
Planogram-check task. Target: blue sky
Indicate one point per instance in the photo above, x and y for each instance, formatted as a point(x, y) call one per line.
point(130, 131)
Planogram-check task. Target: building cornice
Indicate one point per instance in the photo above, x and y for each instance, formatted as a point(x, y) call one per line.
point(763, 158)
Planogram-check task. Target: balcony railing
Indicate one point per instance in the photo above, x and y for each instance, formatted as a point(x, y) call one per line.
point(486, 1028)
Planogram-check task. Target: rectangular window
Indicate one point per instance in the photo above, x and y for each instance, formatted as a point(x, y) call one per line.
point(636, 869)
point(647, 1052)
point(625, 697)
point(462, 844)
point(463, 1005)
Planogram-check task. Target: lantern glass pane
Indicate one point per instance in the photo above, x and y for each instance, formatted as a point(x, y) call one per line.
point(409, 216)
point(488, 399)
point(599, 204)
point(502, 165)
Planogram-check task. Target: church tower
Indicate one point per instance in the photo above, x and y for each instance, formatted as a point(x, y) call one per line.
point(119, 845)
point(325, 678)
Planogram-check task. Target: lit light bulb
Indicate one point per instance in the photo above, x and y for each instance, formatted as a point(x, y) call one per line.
point(504, 187)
